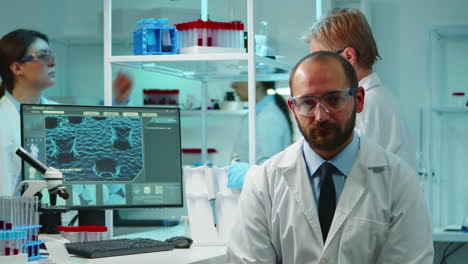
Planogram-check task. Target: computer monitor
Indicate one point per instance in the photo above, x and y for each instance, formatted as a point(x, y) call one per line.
point(110, 157)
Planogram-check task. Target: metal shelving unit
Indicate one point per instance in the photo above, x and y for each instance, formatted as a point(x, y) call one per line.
point(202, 67)
point(445, 137)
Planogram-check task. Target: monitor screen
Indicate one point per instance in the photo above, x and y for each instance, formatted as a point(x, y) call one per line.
point(110, 157)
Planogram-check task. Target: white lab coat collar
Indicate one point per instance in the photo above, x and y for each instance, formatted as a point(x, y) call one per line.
point(293, 156)
point(12, 100)
point(17, 104)
point(370, 81)
point(343, 161)
point(292, 165)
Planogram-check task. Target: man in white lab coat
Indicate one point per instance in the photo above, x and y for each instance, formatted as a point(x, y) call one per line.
point(346, 32)
point(333, 196)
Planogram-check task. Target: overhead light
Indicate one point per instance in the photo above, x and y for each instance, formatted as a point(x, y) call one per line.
point(280, 91)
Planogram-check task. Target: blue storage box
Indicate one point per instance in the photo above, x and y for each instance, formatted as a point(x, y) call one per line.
point(155, 37)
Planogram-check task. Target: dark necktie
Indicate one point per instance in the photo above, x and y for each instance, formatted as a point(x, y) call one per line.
point(327, 199)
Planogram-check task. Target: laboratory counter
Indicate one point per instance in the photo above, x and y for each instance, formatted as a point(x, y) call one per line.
point(195, 254)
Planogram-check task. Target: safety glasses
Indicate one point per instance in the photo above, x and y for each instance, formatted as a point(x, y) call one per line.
point(331, 101)
point(45, 57)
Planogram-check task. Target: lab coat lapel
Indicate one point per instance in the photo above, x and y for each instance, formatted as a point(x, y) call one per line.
point(299, 185)
point(355, 186)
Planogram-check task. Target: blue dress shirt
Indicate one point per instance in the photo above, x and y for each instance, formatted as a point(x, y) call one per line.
point(343, 161)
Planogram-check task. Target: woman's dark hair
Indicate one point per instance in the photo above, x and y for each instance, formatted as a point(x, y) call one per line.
point(279, 100)
point(13, 46)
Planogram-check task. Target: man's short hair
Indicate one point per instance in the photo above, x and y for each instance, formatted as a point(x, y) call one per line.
point(348, 69)
point(346, 27)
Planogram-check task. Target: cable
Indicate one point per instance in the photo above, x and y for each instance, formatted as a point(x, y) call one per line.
point(445, 252)
point(454, 250)
point(445, 256)
point(73, 220)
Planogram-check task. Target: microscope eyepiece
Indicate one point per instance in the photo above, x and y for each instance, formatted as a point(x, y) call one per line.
point(35, 163)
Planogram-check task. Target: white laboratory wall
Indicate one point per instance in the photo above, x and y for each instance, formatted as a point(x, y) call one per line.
point(402, 32)
point(401, 29)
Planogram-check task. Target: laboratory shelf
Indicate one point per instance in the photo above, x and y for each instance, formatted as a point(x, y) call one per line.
point(90, 40)
point(450, 31)
point(205, 67)
point(439, 235)
point(214, 112)
point(450, 110)
point(444, 132)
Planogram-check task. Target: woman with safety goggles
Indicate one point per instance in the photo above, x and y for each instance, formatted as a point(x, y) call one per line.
point(27, 68)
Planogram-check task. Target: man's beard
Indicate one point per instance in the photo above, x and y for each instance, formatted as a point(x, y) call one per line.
point(326, 144)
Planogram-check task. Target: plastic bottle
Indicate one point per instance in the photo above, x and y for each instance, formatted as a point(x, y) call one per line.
point(261, 39)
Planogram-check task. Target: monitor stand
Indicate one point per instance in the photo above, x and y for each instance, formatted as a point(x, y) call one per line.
point(91, 217)
point(97, 217)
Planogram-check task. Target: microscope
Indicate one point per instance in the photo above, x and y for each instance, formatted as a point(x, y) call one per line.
point(53, 181)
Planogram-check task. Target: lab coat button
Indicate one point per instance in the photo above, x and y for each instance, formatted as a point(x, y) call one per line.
point(323, 261)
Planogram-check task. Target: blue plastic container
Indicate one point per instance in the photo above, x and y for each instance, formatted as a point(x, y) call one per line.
point(155, 37)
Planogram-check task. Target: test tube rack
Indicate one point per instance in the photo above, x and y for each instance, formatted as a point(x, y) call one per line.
point(30, 248)
point(155, 37)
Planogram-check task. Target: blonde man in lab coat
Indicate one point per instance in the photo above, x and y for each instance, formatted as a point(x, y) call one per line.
point(346, 32)
point(365, 208)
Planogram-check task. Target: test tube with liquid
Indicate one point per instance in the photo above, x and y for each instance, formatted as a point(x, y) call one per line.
point(7, 243)
point(209, 33)
point(2, 214)
point(15, 243)
point(8, 213)
point(199, 28)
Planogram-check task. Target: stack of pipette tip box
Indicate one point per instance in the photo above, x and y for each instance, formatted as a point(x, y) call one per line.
point(19, 229)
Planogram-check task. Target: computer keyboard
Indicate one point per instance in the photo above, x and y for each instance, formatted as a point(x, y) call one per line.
point(116, 247)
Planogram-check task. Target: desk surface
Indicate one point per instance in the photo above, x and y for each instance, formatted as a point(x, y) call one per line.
point(439, 235)
point(196, 254)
